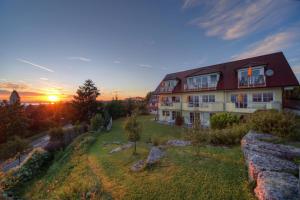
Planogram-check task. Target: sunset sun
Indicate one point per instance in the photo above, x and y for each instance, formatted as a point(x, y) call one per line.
point(53, 98)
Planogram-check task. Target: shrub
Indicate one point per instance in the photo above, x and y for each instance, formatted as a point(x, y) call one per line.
point(12, 147)
point(30, 168)
point(282, 124)
point(179, 120)
point(56, 134)
point(197, 135)
point(223, 120)
point(97, 122)
point(228, 136)
point(156, 141)
point(133, 129)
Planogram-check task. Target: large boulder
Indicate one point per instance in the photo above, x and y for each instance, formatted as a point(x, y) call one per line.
point(271, 166)
point(155, 155)
point(276, 186)
point(138, 166)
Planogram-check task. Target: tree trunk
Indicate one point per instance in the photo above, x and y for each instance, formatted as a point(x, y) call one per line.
point(134, 147)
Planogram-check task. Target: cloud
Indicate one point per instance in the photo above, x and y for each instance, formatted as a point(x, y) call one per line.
point(117, 62)
point(232, 19)
point(272, 43)
point(12, 86)
point(296, 69)
point(145, 66)
point(190, 3)
point(35, 65)
point(44, 79)
point(84, 59)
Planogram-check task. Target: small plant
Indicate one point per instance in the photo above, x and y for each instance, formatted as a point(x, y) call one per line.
point(223, 120)
point(97, 122)
point(133, 129)
point(197, 135)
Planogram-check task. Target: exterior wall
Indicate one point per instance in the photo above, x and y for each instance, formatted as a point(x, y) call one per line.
point(222, 103)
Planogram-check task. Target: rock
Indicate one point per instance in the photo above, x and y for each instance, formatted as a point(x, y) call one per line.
point(253, 142)
point(123, 147)
point(138, 166)
point(178, 143)
point(155, 155)
point(258, 163)
point(271, 166)
point(276, 186)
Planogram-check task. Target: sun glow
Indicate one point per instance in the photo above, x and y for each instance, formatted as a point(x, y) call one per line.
point(53, 98)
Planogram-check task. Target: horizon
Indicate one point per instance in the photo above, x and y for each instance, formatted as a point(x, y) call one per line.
point(49, 48)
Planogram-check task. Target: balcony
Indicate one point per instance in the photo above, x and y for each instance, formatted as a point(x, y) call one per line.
point(166, 89)
point(250, 107)
point(253, 81)
point(206, 107)
point(169, 105)
point(200, 88)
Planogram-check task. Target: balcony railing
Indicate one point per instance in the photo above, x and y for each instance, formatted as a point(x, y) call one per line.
point(199, 87)
point(249, 107)
point(210, 107)
point(166, 103)
point(252, 81)
point(166, 89)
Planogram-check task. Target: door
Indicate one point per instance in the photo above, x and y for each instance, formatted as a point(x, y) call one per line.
point(205, 119)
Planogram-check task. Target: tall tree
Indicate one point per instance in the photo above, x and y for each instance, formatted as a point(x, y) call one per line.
point(85, 102)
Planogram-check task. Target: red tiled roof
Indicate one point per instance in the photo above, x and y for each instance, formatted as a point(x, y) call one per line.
point(283, 75)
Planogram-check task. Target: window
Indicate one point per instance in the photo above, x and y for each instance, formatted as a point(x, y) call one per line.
point(257, 97)
point(267, 97)
point(176, 99)
point(256, 77)
point(192, 117)
point(233, 98)
point(262, 97)
point(196, 101)
point(213, 79)
point(205, 98)
point(211, 98)
point(240, 100)
point(173, 115)
point(204, 82)
point(167, 113)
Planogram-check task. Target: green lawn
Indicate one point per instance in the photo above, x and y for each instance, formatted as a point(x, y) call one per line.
point(218, 173)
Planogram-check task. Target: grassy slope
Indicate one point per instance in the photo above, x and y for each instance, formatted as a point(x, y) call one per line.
point(219, 173)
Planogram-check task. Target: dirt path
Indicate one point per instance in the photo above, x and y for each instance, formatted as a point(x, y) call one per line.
point(110, 186)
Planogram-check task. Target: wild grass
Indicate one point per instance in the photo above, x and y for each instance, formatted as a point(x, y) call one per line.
point(217, 173)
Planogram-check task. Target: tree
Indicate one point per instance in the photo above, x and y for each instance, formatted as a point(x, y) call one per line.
point(197, 135)
point(85, 102)
point(148, 97)
point(116, 109)
point(97, 122)
point(133, 129)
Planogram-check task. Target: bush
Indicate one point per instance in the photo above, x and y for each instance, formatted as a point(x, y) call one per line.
point(179, 120)
point(156, 141)
point(228, 136)
point(56, 134)
point(12, 147)
point(97, 122)
point(282, 124)
point(223, 120)
point(30, 168)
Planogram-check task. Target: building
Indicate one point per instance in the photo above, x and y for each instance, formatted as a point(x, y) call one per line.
point(241, 86)
point(14, 97)
point(153, 104)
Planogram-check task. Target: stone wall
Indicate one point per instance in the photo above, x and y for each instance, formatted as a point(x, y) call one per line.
point(272, 167)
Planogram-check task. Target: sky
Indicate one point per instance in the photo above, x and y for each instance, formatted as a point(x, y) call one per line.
point(51, 47)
